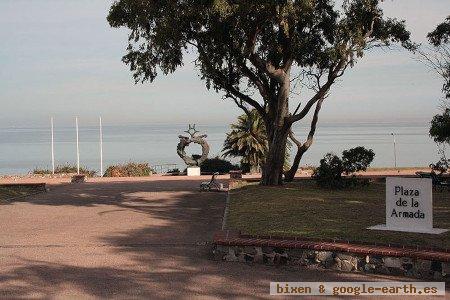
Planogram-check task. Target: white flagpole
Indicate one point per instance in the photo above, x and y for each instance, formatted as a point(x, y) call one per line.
point(78, 147)
point(53, 149)
point(101, 147)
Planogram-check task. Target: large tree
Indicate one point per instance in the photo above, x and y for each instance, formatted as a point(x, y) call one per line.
point(438, 58)
point(253, 51)
point(439, 55)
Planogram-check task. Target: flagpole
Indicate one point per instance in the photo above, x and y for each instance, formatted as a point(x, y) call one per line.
point(101, 147)
point(53, 148)
point(78, 147)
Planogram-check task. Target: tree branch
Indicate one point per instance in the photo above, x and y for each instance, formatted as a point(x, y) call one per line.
point(332, 75)
point(223, 82)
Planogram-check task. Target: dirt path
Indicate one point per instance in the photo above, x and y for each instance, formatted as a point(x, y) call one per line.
point(127, 239)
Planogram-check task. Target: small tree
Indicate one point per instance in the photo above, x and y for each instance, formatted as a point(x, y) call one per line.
point(329, 173)
point(247, 140)
point(357, 159)
point(216, 164)
point(254, 52)
point(440, 132)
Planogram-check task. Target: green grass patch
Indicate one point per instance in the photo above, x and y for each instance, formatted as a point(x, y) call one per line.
point(12, 191)
point(302, 209)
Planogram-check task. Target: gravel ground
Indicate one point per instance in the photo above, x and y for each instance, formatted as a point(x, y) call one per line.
point(129, 238)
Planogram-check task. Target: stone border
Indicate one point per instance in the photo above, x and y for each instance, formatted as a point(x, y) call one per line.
point(230, 246)
point(225, 213)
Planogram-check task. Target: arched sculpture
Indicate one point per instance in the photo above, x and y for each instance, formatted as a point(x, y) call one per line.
point(185, 141)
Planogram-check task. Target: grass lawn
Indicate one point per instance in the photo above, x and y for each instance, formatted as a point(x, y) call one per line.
point(302, 209)
point(12, 191)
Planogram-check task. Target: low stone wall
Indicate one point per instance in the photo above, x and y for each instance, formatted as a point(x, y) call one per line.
point(348, 262)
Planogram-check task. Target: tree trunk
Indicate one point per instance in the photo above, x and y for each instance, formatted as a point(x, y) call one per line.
point(277, 133)
point(290, 174)
point(273, 168)
point(302, 148)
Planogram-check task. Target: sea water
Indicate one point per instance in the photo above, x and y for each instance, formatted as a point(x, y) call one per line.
point(23, 149)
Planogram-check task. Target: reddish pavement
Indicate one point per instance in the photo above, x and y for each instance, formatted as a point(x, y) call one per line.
point(128, 239)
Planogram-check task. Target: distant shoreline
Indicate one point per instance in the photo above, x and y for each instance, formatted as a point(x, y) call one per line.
point(302, 173)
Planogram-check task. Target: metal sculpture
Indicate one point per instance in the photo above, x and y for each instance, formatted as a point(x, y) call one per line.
point(192, 161)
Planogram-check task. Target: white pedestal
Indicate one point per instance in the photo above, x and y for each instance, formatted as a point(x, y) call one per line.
point(193, 171)
point(409, 206)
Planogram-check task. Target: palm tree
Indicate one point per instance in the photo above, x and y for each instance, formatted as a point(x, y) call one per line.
point(247, 140)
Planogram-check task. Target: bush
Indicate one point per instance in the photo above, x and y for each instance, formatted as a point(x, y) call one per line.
point(129, 170)
point(38, 171)
point(212, 165)
point(175, 171)
point(329, 173)
point(65, 169)
point(357, 159)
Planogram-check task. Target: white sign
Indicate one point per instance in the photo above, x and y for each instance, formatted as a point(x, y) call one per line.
point(409, 206)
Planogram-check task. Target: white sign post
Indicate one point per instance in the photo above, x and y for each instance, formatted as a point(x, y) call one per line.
point(409, 206)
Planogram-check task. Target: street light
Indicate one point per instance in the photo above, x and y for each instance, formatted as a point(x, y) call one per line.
point(395, 150)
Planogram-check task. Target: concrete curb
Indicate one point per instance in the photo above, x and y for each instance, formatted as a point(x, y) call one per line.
point(225, 213)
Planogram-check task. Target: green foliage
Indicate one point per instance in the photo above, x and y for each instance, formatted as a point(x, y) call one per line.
point(441, 34)
point(212, 165)
point(129, 170)
point(357, 159)
point(329, 173)
point(39, 171)
point(175, 171)
point(311, 32)
point(65, 169)
point(441, 166)
point(440, 59)
point(247, 140)
point(440, 127)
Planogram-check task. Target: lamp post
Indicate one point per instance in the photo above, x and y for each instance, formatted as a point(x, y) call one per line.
point(101, 146)
point(395, 149)
point(53, 148)
point(78, 147)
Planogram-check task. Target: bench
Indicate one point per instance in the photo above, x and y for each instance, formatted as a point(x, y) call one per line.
point(211, 185)
point(437, 179)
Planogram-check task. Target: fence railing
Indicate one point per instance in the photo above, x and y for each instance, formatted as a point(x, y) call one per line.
point(165, 168)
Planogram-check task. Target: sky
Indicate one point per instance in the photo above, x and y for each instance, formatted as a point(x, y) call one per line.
point(61, 58)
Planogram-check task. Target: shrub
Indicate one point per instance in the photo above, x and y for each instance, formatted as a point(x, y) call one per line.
point(175, 171)
point(329, 173)
point(65, 169)
point(129, 170)
point(38, 171)
point(212, 165)
point(69, 169)
point(357, 159)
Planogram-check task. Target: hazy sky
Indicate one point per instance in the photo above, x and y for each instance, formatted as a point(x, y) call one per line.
point(61, 58)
